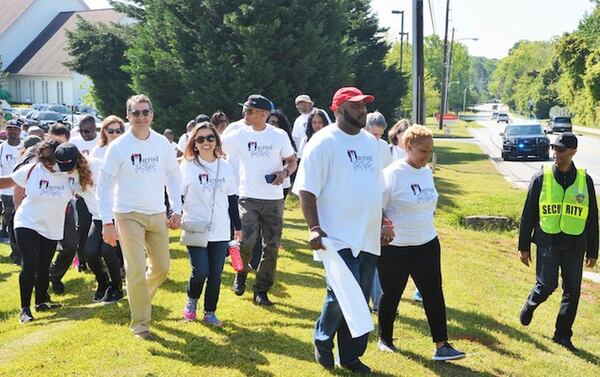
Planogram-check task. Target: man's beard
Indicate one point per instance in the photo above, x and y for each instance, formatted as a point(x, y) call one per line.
point(354, 122)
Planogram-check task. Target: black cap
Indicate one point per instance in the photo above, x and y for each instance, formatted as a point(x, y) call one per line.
point(566, 140)
point(13, 123)
point(258, 101)
point(31, 140)
point(200, 118)
point(66, 156)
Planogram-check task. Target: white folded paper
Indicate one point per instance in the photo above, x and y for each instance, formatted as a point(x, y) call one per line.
point(347, 291)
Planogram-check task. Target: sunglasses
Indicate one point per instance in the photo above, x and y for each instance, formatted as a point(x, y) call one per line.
point(114, 131)
point(209, 138)
point(558, 149)
point(137, 113)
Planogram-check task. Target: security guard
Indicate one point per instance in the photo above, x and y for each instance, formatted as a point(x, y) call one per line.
point(562, 213)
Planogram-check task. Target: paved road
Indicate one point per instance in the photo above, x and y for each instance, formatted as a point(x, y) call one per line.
point(520, 172)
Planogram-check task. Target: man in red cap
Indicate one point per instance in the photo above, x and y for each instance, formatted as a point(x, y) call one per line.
point(340, 191)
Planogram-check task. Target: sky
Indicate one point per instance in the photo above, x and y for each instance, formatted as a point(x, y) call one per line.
point(498, 24)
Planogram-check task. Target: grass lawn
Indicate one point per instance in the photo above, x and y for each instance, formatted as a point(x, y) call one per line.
point(484, 285)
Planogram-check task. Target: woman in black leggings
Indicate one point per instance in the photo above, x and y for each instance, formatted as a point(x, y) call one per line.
point(409, 202)
point(39, 219)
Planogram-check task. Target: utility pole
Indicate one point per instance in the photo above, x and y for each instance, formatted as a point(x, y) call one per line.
point(418, 105)
point(401, 13)
point(444, 69)
point(448, 71)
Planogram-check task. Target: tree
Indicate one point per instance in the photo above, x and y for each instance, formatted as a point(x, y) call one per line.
point(98, 51)
point(195, 57)
point(4, 93)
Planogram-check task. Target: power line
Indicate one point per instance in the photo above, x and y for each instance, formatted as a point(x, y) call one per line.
point(432, 18)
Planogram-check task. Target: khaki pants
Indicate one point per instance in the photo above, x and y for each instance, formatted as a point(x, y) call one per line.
point(140, 234)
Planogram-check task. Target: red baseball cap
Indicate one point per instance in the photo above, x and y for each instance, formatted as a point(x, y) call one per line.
point(351, 94)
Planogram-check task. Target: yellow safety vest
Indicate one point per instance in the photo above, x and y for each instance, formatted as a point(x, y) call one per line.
point(563, 210)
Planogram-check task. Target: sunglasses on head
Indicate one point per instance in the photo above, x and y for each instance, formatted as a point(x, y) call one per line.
point(137, 113)
point(202, 139)
point(114, 131)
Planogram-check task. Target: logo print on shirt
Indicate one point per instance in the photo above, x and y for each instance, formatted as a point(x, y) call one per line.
point(209, 184)
point(203, 177)
point(360, 163)
point(8, 157)
point(423, 195)
point(144, 164)
point(48, 190)
point(259, 151)
point(85, 152)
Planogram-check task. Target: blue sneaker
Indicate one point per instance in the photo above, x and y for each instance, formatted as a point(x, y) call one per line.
point(447, 352)
point(211, 319)
point(417, 296)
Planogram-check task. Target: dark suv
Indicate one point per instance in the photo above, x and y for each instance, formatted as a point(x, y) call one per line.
point(560, 124)
point(524, 141)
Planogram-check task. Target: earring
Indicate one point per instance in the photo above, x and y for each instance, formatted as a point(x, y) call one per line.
point(195, 149)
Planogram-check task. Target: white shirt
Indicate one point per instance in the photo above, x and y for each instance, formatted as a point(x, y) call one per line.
point(258, 153)
point(198, 183)
point(397, 153)
point(299, 129)
point(385, 153)
point(344, 173)
point(182, 142)
point(409, 201)
point(8, 159)
point(134, 175)
point(85, 147)
point(99, 152)
point(174, 147)
point(234, 160)
point(47, 195)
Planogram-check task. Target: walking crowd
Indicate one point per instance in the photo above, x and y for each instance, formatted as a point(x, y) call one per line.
point(105, 200)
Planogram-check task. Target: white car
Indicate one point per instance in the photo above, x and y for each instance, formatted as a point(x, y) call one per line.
point(503, 117)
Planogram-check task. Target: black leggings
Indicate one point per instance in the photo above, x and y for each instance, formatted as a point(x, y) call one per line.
point(95, 248)
point(422, 263)
point(37, 253)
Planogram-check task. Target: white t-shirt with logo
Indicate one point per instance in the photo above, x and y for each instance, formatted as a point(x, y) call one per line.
point(8, 159)
point(344, 173)
point(397, 153)
point(85, 146)
point(141, 169)
point(198, 182)
point(258, 153)
point(409, 201)
point(47, 195)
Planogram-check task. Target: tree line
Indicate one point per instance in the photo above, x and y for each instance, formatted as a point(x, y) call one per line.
point(561, 76)
point(193, 56)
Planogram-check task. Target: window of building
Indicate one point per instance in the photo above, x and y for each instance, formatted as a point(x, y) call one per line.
point(32, 91)
point(59, 92)
point(45, 98)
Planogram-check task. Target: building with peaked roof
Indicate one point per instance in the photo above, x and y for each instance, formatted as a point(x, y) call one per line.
point(33, 48)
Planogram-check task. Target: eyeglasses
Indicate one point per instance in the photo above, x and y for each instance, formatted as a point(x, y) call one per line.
point(209, 138)
point(249, 110)
point(137, 113)
point(558, 149)
point(114, 131)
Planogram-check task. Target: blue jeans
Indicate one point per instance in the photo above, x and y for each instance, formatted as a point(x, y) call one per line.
point(332, 320)
point(207, 266)
point(570, 262)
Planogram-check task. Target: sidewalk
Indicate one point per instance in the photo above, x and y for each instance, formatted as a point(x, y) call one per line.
point(587, 130)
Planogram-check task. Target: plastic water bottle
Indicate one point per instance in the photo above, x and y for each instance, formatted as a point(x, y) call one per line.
point(235, 257)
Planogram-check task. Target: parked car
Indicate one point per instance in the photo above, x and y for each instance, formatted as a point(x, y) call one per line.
point(46, 118)
point(22, 112)
point(559, 124)
point(495, 106)
point(495, 115)
point(525, 141)
point(503, 117)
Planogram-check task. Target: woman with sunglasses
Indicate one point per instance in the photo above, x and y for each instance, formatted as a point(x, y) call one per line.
point(111, 128)
point(209, 194)
point(59, 173)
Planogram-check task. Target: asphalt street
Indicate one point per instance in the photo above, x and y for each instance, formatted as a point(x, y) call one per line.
point(520, 172)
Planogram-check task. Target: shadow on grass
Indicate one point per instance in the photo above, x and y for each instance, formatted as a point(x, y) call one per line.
point(443, 369)
point(584, 355)
point(243, 349)
point(445, 189)
point(478, 328)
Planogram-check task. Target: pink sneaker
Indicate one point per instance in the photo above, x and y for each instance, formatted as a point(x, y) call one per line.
point(189, 315)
